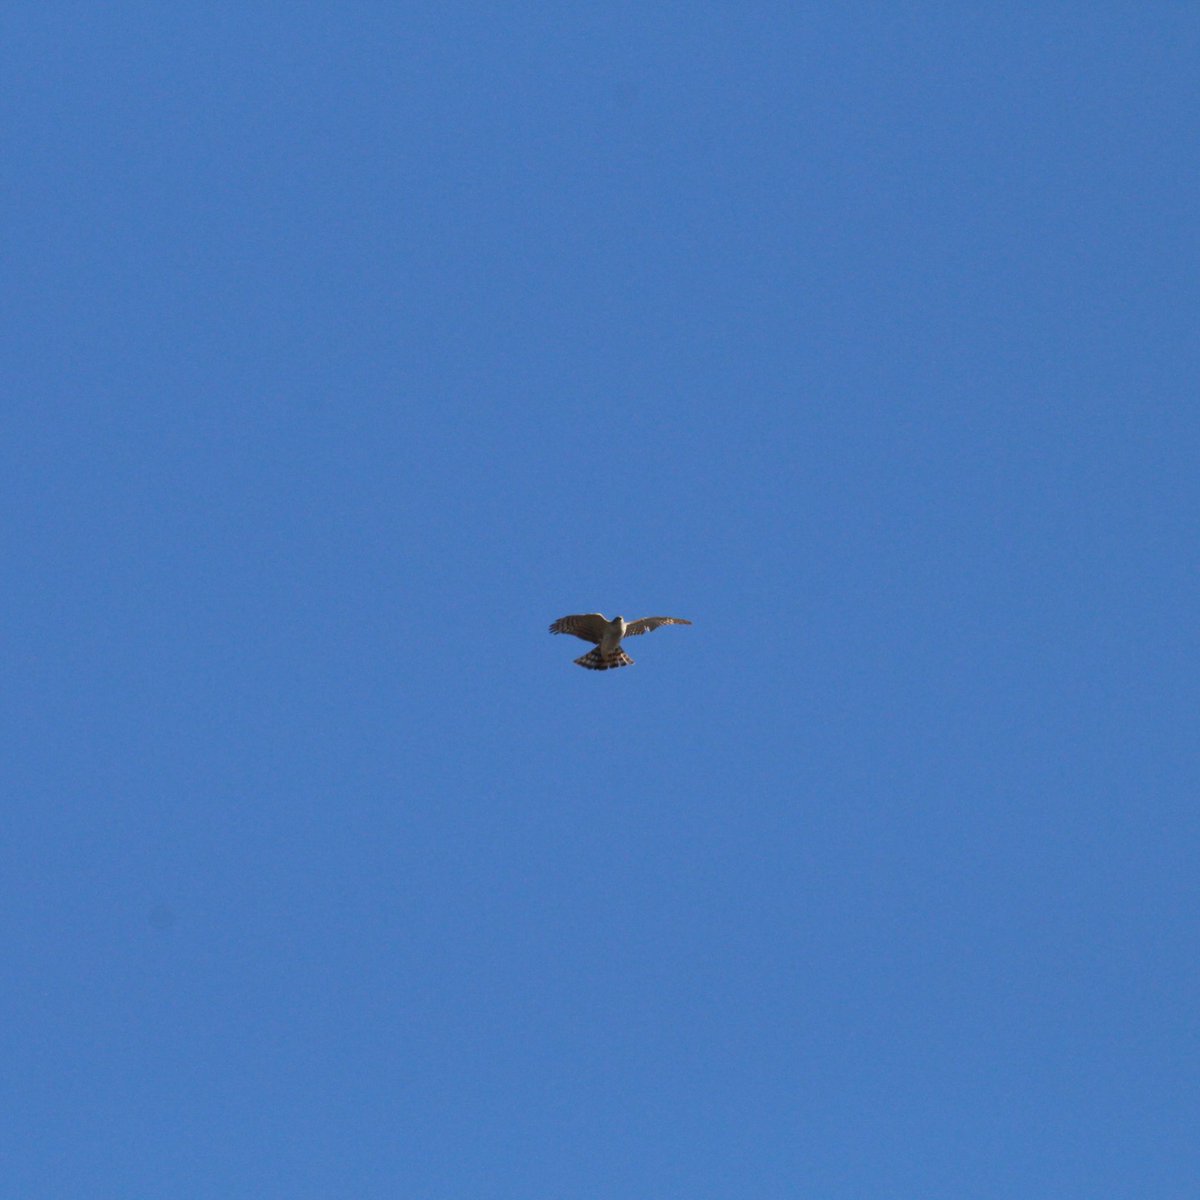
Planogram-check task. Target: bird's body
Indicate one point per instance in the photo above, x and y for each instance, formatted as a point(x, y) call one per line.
point(613, 633)
point(607, 636)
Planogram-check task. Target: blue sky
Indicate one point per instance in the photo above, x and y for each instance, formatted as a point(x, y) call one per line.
point(347, 346)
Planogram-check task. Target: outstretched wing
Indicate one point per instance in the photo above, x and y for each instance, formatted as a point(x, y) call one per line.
point(646, 624)
point(589, 626)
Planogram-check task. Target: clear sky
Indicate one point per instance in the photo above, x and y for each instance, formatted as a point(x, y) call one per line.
point(345, 346)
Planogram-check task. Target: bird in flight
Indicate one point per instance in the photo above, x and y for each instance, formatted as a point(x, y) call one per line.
point(607, 635)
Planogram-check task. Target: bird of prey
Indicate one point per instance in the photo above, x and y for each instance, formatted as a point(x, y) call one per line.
point(607, 635)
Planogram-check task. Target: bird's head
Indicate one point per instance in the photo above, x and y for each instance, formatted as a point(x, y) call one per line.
point(618, 618)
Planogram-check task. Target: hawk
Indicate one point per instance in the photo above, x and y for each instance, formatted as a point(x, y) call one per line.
point(607, 635)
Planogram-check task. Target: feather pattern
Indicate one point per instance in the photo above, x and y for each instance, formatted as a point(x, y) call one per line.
point(648, 624)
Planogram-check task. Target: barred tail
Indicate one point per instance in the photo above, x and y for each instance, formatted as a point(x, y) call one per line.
point(594, 660)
